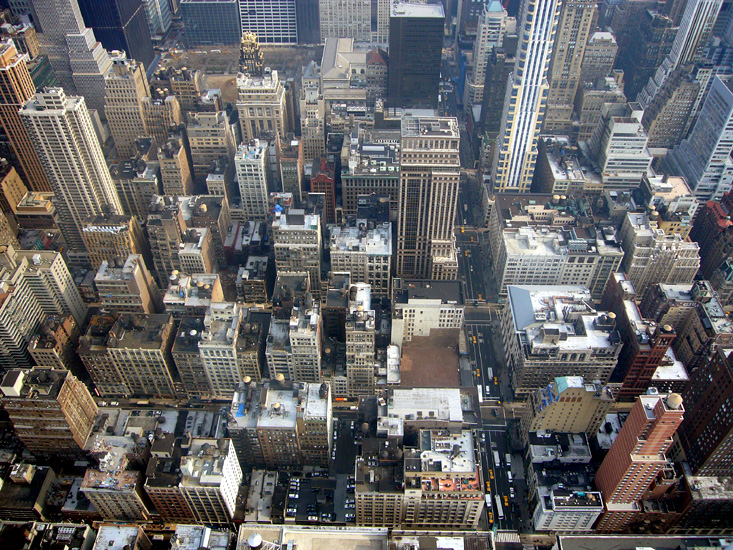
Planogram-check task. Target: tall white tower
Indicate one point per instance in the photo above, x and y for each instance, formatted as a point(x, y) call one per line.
point(525, 102)
point(692, 36)
point(62, 133)
point(251, 162)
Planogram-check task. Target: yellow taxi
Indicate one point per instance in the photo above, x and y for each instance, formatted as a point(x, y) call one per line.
point(491, 474)
point(463, 229)
point(478, 373)
point(496, 381)
point(506, 500)
point(474, 339)
point(491, 517)
point(488, 487)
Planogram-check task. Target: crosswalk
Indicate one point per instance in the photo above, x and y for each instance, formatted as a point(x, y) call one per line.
point(507, 536)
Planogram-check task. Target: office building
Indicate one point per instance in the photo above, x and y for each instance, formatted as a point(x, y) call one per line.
point(530, 240)
point(67, 145)
point(577, 22)
point(20, 317)
point(210, 137)
point(343, 83)
point(636, 458)
point(703, 156)
point(158, 14)
point(569, 404)
point(297, 242)
point(646, 344)
point(137, 182)
point(231, 348)
point(211, 480)
point(55, 344)
point(365, 251)
point(51, 410)
point(346, 20)
point(255, 280)
point(139, 347)
point(261, 105)
point(125, 87)
point(420, 306)
point(360, 342)
point(499, 65)
point(251, 60)
point(562, 170)
point(164, 227)
point(92, 351)
point(16, 87)
point(323, 181)
point(211, 22)
point(571, 338)
point(212, 213)
point(415, 46)
point(619, 146)
point(712, 231)
point(159, 114)
point(692, 37)
point(492, 26)
point(273, 21)
point(449, 490)
point(186, 84)
point(705, 433)
point(291, 165)
point(590, 100)
point(125, 285)
point(294, 343)
point(253, 171)
point(599, 56)
point(651, 256)
point(175, 167)
point(187, 357)
point(163, 479)
point(46, 274)
point(377, 73)
point(308, 21)
point(428, 196)
point(526, 97)
point(196, 251)
point(110, 236)
point(192, 294)
point(120, 25)
point(695, 313)
point(116, 537)
point(312, 113)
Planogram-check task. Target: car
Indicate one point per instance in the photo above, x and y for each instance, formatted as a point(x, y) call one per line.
point(350, 517)
point(349, 489)
point(506, 500)
point(293, 496)
point(493, 411)
point(491, 474)
point(350, 506)
point(496, 381)
point(483, 437)
point(312, 518)
point(491, 517)
point(292, 510)
point(488, 487)
point(511, 492)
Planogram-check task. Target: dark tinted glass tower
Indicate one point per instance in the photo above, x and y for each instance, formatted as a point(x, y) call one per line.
point(120, 25)
point(309, 23)
point(415, 47)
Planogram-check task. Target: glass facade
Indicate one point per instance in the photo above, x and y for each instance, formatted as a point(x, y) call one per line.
point(210, 22)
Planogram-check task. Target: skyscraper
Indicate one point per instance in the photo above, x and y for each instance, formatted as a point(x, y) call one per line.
point(126, 85)
point(273, 21)
point(577, 20)
point(492, 25)
point(120, 25)
point(346, 19)
point(307, 18)
point(415, 49)
point(16, 87)
point(526, 99)
point(428, 195)
point(251, 163)
point(66, 143)
point(637, 456)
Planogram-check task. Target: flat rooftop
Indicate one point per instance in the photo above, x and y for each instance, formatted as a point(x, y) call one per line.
point(447, 292)
point(441, 404)
point(317, 538)
point(444, 127)
point(405, 9)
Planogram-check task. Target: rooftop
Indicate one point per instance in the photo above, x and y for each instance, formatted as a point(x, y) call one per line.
point(37, 383)
point(447, 292)
point(203, 466)
point(362, 239)
point(429, 126)
point(195, 537)
point(139, 331)
point(116, 537)
point(409, 9)
point(416, 404)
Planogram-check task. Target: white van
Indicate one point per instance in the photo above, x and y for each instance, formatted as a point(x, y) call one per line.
point(509, 475)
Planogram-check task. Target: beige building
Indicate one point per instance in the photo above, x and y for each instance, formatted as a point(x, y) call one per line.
point(294, 344)
point(51, 410)
point(126, 286)
point(210, 136)
point(261, 106)
point(159, 114)
point(297, 242)
point(137, 180)
point(365, 251)
point(125, 87)
point(164, 228)
point(175, 167)
point(428, 197)
point(98, 362)
point(196, 251)
point(312, 114)
point(188, 359)
point(110, 236)
point(55, 344)
point(567, 405)
point(360, 342)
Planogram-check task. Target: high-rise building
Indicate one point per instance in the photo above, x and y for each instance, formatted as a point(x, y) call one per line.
point(599, 56)
point(651, 256)
point(366, 252)
point(90, 64)
point(312, 113)
point(175, 167)
point(125, 285)
point(211, 480)
point(297, 241)
point(67, 145)
point(158, 14)
point(252, 163)
point(291, 165)
point(346, 20)
point(619, 146)
point(692, 37)
point(577, 22)
point(51, 410)
point(159, 114)
point(120, 25)
point(228, 351)
point(210, 137)
point(538, 352)
point(636, 457)
point(360, 342)
point(251, 60)
point(186, 84)
point(211, 22)
point(706, 431)
point(16, 87)
point(428, 196)
point(273, 21)
point(139, 347)
point(308, 21)
point(111, 236)
point(164, 227)
point(98, 362)
point(55, 344)
point(377, 73)
point(703, 157)
point(713, 231)
point(492, 25)
point(526, 99)
point(261, 105)
point(294, 344)
point(125, 87)
point(415, 46)
point(137, 180)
